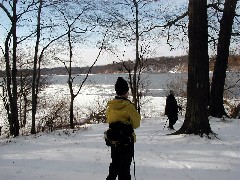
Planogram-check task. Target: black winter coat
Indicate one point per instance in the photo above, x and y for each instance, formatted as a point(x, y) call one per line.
point(171, 107)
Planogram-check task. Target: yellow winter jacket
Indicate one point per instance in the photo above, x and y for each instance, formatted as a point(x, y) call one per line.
point(124, 111)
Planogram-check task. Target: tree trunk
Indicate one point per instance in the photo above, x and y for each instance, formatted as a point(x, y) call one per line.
point(70, 84)
point(13, 104)
point(136, 66)
point(196, 118)
point(72, 96)
point(8, 83)
point(219, 73)
point(25, 110)
point(34, 81)
point(71, 112)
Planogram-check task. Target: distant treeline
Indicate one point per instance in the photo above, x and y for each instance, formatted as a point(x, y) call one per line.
point(151, 65)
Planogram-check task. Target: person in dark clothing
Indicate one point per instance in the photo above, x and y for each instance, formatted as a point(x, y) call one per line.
point(171, 109)
point(122, 117)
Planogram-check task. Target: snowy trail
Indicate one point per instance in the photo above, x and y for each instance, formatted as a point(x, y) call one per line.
point(183, 157)
point(156, 157)
point(83, 155)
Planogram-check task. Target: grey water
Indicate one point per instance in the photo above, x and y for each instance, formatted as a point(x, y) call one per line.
point(155, 84)
point(157, 81)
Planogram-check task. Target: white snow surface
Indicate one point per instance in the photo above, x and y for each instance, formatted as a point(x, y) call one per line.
point(83, 155)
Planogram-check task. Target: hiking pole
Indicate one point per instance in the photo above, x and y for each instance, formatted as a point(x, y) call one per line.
point(134, 163)
point(165, 124)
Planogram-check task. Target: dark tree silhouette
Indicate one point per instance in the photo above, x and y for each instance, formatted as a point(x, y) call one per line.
point(196, 118)
point(220, 67)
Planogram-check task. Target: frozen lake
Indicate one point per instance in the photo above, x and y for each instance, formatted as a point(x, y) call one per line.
point(157, 85)
point(99, 88)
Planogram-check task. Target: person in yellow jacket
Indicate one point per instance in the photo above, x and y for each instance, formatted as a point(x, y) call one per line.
point(122, 116)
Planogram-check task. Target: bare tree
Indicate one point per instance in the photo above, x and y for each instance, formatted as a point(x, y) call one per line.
point(129, 24)
point(26, 15)
point(35, 63)
point(24, 92)
point(226, 17)
point(133, 81)
point(220, 67)
point(71, 78)
point(74, 34)
point(39, 53)
point(11, 64)
point(196, 118)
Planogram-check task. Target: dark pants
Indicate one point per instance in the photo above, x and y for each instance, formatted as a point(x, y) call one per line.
point(172, 120)
point(121, 162)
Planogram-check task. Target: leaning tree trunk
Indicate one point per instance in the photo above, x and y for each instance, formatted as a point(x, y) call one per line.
point(196, 118)
point(219, 73)
point(8, 105)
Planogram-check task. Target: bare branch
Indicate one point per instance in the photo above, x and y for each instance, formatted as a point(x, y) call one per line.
point(28, 9)
point(6, 11)
point(102, 47)
point(168, 24)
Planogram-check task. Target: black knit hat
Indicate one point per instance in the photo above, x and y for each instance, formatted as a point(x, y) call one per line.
point(121, 86)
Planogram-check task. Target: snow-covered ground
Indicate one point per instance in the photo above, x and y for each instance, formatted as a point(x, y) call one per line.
point(83, 155)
